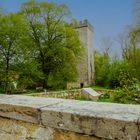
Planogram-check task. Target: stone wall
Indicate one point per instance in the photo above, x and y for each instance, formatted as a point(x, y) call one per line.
point(19, 130)
point(78, 94)
point(68, 94)
point(36, 118)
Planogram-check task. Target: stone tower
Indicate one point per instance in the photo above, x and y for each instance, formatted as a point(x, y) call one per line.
point(86, 67)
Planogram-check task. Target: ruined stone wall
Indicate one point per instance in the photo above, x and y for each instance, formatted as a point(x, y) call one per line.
point(68, 94)
point(36, 118)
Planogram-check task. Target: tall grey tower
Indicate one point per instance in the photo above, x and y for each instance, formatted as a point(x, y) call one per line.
point(86, 67)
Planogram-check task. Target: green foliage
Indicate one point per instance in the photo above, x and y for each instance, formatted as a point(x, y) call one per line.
point(100, 88)
point(38, 47)
point(105, 98)
point(132, 51)
point(12, 29)
point(129, 93)
point(116, 70)
point(108, 70)
point(29, 74)
point(56, 43)
point(102, 64)
point(50, 49)
point(123, 75)
point(81, 98)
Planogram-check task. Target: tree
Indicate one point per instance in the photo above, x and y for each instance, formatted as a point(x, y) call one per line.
point(134, 49)
point(12, 28)
point(130, 48)
point(55, 42)
point(106, 44)
point(102, 67)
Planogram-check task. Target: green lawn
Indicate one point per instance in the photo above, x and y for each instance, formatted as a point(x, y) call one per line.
point(100, 88)
point(107, 92)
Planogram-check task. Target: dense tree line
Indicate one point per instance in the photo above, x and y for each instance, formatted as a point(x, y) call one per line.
point(38, 47)
point(121, 74)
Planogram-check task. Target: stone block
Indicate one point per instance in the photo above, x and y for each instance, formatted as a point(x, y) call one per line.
point(18, 130)
point(104, 120)
point(25, 108)
point(90, 94)
point(43, 119)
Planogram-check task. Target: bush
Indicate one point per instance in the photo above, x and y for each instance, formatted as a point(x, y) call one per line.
point(104, 98)
point(118, 70)
point(129, 93)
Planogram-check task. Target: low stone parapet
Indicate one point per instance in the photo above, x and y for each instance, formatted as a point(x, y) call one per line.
point(26, 117)
point(68, 94)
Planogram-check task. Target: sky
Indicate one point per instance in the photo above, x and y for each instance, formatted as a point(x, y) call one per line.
point(108, 17)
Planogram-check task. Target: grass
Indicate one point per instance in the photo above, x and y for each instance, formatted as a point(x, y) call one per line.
point(81, 98)
point(104, 98)
point(100, 88)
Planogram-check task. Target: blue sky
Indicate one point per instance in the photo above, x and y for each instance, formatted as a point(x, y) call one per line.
point(109, 17)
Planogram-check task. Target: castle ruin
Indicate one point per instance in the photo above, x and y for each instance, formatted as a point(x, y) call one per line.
point(86, 67)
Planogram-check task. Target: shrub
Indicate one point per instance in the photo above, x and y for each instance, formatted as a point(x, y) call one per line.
point(129, 93)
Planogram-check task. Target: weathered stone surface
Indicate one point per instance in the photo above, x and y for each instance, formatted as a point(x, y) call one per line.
point(86, 68)
point(25, 108)
point(10, 137)
point(86, 64)
point(91, 94)
point(44, 134)
point(68, 94)
point(106, 120)
point(65, 135)
point(18, 130)
point(29, 101)
point(43, 116)
point(3, 97)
